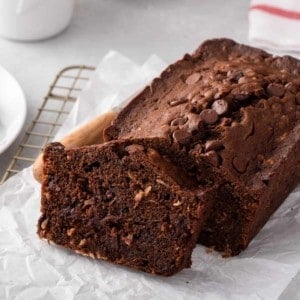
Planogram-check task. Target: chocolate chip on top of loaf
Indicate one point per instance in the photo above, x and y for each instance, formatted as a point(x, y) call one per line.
point(123, 202)
point(236, 109)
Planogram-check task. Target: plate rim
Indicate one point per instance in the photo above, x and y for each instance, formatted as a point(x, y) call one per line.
point(13, 137)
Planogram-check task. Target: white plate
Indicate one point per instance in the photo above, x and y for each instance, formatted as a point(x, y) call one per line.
point(12, 109)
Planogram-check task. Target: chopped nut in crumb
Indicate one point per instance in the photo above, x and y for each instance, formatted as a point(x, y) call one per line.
point(147, 190)
point(113, 232)
point(70, 231)
point(140, 194)
point(161, 182)
point(99, 256)
point(138, 197)
point(163, 227)
point(82, 242)
point(131, 176)
point(128, 239)
point(44, 224)
point(177, 203)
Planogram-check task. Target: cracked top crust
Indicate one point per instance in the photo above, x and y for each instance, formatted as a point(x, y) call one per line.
point(227, 104)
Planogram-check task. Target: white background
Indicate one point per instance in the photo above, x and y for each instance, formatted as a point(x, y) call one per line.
point(136, 28)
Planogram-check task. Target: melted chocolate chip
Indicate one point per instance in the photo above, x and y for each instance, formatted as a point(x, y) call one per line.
point(220, 106)
point(275, 89)
point(209, 116)
point(179, 121)
point(176, 102)
point(250, 131)
point(213, 145)
point(240, 164)
point(181, 136)
point(192, 79)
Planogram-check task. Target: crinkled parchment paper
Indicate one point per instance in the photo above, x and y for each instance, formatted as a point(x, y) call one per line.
point(33, 269)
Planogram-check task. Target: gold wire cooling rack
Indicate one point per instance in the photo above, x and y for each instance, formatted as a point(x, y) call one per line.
point(57, 104)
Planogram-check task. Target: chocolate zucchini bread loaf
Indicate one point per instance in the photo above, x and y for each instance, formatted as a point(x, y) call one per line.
point(235, 110)
point(122, 202)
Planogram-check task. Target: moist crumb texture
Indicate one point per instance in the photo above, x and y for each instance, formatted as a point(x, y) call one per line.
point(235, 111)
point(122, 202)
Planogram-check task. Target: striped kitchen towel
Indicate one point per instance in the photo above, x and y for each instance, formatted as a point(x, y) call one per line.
point(275, 24)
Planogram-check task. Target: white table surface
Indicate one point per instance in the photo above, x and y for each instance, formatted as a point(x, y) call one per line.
point(137, 28)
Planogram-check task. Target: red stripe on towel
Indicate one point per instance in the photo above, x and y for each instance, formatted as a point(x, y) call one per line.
point(273, 10)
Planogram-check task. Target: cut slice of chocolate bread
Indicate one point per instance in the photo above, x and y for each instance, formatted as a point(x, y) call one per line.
point(236, 109)
point(122, 202)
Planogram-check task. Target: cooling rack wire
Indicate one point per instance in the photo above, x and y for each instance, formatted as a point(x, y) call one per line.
point(56, 106)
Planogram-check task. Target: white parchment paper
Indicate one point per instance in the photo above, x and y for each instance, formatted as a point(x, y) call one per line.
point(33, 269)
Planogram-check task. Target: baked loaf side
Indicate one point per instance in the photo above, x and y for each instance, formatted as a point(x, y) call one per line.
point(122, 202)
point(231, 107)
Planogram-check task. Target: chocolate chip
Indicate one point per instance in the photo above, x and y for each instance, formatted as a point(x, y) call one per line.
point(175, 102)
point(220, 106)
point(209, 116)
point(179, 121)
point(213, 145)
point(192, 79)
point(239, 164)
point(234, 75)
point(298, 98)
point(194, 122)
point(291, 87)
point(181, 136)
point(275, 89)
point(212, 158)
point(242, 96)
